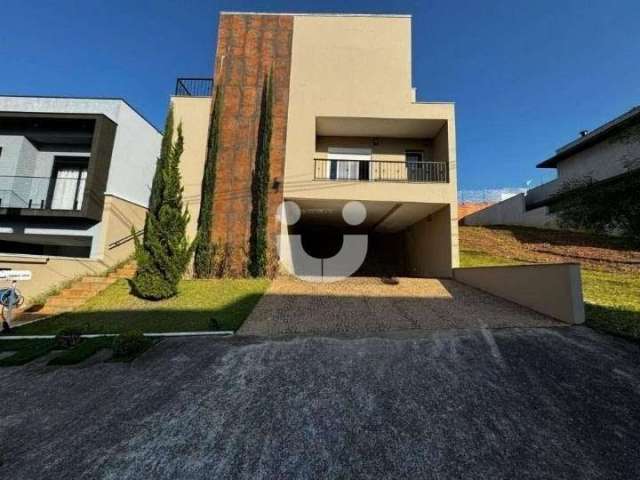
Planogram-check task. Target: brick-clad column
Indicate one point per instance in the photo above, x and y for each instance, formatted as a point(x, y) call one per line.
point(248, 47)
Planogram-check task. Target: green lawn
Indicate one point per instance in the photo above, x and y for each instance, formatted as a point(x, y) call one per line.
point(612, 300)
point(115, 310)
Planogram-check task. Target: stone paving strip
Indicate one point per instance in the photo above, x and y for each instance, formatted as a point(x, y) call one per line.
point(366, 305)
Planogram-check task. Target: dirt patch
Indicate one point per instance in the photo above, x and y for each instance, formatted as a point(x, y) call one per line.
point(544, 246)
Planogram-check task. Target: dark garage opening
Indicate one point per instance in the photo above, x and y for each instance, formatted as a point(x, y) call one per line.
point(385, 252)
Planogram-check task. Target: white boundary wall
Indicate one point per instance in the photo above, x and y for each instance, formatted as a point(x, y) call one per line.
point(512, 211)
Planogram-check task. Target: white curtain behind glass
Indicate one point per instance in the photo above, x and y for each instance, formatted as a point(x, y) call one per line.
point(67, 188)
point(347, 161)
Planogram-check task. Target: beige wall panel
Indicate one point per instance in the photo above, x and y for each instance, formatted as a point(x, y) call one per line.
point(194, 113)
point(428, 246)
point(552, 289)
point(358, 67)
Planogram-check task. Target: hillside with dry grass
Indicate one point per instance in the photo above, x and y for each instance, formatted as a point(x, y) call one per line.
point(544, 246)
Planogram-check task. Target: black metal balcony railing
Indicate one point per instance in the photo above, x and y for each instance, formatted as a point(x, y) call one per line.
point(381, 171)
point(42, 192)
point(194, 87)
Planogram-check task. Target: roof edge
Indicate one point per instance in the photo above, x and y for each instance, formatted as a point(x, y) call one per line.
point(388, 15)
point(71, 97)
point(595, 136)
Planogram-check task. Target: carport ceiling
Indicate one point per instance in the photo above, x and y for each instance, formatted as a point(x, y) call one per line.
point(377, 127)
point(382, 217)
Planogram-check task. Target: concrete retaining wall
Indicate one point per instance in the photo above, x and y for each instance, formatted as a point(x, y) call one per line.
point(551, 289)
point(512, 211)
point(49, 272)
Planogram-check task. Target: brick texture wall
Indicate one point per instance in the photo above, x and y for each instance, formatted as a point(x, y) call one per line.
point(248, 47)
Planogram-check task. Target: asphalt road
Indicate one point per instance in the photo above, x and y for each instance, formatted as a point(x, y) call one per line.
point(512, 403)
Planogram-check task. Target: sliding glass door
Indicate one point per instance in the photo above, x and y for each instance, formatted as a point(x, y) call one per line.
point(68, 183)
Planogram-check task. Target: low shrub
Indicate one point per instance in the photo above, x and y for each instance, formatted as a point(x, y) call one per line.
point(68, 338)
point(129, 345)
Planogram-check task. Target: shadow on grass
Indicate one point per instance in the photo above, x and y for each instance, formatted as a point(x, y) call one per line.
point(565, 238)
point(617, 321)
point(25, 351)
point(152, 318)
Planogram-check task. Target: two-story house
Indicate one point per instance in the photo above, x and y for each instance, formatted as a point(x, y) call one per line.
point(75, 176)
point(346, 127)
point(605, 154)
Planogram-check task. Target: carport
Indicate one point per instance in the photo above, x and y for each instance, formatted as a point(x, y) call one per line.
point(402, 239)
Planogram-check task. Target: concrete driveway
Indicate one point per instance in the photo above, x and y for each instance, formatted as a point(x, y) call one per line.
point(365, 305)
point(482, 404)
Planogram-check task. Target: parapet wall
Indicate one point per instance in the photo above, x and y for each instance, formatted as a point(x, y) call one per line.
point(551, 289)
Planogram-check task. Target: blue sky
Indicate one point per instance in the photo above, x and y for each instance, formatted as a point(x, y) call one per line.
point(525, 75)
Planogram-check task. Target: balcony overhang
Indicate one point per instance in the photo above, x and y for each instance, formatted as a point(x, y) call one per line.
point(378, 127)
point(381, 217)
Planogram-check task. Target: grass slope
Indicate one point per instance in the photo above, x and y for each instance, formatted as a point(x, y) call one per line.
point(116, 310)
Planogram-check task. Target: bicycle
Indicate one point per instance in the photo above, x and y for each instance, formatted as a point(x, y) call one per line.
point(10, 299)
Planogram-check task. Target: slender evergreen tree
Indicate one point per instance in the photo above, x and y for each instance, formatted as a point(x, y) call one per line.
point(164, 253)
point(260, 185)
point(203, 258)
point(165, 150)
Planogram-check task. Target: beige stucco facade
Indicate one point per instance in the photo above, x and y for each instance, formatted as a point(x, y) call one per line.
point(352, 75)
point(349, 87)
point(193, 113)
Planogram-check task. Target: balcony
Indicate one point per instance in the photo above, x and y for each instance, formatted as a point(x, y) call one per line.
point(64, 192)
point(194, 87)
point(381, 171)
point(54, 165)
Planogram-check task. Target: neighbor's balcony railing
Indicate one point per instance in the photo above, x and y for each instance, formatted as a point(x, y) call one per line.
point(42, 192)
point(194, 87)
point(381, 171)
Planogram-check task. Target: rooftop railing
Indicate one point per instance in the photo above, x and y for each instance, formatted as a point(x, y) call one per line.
point(381, 171)
point(194, 87)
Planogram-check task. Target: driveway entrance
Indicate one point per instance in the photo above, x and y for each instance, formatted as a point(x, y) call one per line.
point(365, 305)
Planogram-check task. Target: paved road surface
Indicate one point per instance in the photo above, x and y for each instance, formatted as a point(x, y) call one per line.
point(513, 403)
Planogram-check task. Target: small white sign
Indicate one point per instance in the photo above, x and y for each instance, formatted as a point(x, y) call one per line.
point(15, 274)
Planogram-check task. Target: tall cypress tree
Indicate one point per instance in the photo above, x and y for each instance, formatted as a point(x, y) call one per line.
point(260, 184)
point(165, 151)
point(203, 259)
point(164, 253)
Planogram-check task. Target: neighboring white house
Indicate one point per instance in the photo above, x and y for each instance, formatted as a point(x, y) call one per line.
point(602, 155)
point(75, 176)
